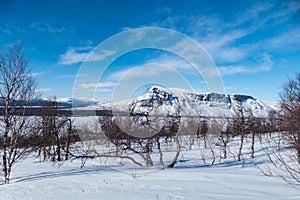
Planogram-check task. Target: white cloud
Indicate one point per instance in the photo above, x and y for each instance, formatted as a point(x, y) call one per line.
point(224, 40)
point(66, 76)
point(267, 62)
point(36, 74)
point(266, 65)
point(126, 29)
point(74, 55)
point(186, 48)
point(118, 74)
point(173, 62)
point(153, 67)
point(10, 29)
point(146, 70)
point(235, 69)
point(293, 6)
point(46, 27)
point(284, 12)
point(288, 40)
point(81, 54)
point(134, 36)
point(95, 57)
point(106, 90)
point(41, 90)
point(102, 85)
point(253, 12)
point(6, 31)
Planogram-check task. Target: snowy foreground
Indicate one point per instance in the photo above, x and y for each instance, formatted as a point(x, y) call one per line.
point(190, 179)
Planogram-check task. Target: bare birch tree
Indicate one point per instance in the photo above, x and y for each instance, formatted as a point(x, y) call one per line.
point(284, 147)
point(57, 132)
point(290, 106)
point(17, 88)
point(239, 124)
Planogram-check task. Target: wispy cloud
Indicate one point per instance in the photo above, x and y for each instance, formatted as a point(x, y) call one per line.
point(105, 90)
point(70, 76)
point(288, 40)
point(100, 85)
point(143, 71)
point(10, 29)
point(226, 40)
point(166, 63)
point(42, 90)
point(65, 76)
point(153, 67)
point(293, 6)
point(6, 31)
point(46, 27)
point(81, 54)
point(37, 74)
point(253, 12)
point(266, 65)
point(74, 55)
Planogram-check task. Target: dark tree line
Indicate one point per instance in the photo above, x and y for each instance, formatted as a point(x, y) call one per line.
point(56, 133)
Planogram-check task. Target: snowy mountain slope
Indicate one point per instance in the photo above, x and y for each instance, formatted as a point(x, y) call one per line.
point(178, 102)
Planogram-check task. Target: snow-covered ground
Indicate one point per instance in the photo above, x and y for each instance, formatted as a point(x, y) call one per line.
point(190, 179)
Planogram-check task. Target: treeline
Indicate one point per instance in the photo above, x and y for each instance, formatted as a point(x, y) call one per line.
point(196, 129)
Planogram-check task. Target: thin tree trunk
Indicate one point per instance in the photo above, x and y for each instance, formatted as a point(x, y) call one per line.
point(298, 147)
point(225, 150)
point(5, 141)
point(54, 153)
point(57, 145)
point(178, 148)
point(44, 152)
point(58, 152)
point(149, 160)
point(148, 156)
point(252, 144)
point(161, 161)
point(241, 146)
point(68, 140)
point(7, 174)
point(67, 148)
point(4, 157)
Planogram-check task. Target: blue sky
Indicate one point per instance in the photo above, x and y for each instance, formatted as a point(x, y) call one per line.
point(254, 44)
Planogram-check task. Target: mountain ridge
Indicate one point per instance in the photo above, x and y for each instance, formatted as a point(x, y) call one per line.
point(171, 102)
point(174, 101)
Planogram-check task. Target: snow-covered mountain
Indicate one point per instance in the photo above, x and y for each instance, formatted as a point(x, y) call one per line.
point(178, 102)
point(164, 102)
